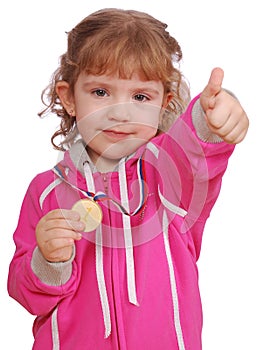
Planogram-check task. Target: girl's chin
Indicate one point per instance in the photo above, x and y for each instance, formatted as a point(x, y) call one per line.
point(118, 150)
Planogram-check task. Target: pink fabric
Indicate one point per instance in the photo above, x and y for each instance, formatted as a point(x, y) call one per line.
point(188, 173)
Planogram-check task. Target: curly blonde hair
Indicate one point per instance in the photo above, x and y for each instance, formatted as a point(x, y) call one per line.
point(116, 41)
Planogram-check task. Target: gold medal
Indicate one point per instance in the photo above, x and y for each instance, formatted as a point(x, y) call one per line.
point(90, 213)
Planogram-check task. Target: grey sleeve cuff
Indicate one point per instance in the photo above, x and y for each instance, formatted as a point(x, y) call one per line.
point(201, 127)
point(53, 274)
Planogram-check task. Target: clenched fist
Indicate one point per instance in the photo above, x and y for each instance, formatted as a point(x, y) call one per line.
point(56, 233)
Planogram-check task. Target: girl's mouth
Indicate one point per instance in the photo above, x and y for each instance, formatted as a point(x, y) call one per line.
point(116, 134)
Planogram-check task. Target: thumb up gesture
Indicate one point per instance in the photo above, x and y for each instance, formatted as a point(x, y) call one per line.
point(224, 115)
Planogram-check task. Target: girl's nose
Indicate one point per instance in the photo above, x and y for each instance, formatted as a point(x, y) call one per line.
point(120, 112)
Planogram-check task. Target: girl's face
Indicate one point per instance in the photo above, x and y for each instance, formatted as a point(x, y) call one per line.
point(116, 116)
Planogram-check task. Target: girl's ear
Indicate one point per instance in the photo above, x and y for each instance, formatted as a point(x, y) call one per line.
point(65, 96)
point(166, 100)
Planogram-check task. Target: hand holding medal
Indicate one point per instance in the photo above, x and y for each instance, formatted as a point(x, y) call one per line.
point(56, 232)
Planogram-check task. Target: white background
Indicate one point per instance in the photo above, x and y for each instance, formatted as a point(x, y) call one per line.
point(225, 33)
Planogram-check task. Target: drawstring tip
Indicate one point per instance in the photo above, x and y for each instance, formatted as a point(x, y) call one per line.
point(107, 333)
point(134, 302)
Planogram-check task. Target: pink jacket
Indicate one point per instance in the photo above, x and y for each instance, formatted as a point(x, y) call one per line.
point(133, 282)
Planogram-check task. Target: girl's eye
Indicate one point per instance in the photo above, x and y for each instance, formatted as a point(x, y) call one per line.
point(100, 92)
point(141, 98)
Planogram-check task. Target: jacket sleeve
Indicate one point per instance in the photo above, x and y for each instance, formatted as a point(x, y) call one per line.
point(35, 283)
point(201, 159)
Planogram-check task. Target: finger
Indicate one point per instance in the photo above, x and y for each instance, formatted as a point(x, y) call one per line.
point(59, 251)
point(226, 128)
point(233, 129)
point(55, 233)
point(214, 85)
point(64, 224)
point(58, 243)
point(236, 135)
point(62, 214)
point(223, 115)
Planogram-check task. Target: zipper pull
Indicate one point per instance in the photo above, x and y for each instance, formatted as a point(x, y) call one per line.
point(105, 181)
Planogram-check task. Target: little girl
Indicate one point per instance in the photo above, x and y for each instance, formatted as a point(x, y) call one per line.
point(107, 241)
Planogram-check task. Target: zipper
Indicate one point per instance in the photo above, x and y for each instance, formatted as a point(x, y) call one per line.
point(105, 182)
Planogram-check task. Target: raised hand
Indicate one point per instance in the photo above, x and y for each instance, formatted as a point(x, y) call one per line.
point(56, 233)
point(224, 114)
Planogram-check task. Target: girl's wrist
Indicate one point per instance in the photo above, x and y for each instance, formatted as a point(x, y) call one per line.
point(50, 273)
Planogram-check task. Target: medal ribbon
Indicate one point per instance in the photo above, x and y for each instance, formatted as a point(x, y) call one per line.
point(99, 196)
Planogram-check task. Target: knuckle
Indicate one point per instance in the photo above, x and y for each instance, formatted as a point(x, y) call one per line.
point(216, 122)
point(50, 246)
point(61, 255)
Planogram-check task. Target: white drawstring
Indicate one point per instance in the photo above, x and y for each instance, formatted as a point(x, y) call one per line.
point(174, 293)
point(172, 207)
point(101, 281)
point(130, 267)
point(99, 259)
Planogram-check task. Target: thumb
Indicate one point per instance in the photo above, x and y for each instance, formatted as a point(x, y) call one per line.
point(212, 89)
